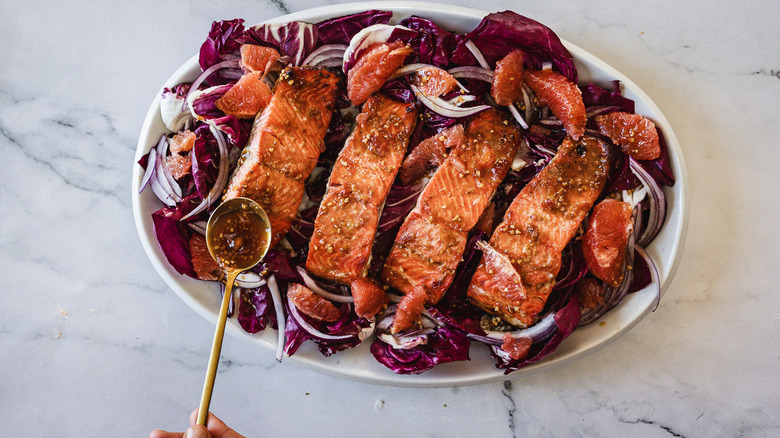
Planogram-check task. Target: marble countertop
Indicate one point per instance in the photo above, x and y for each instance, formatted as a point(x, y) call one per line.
point(94, 343)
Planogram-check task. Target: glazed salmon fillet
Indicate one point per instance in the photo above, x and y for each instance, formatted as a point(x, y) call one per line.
point(346, 223)
point(539, 223)
point(285, 143)
point(432, 239)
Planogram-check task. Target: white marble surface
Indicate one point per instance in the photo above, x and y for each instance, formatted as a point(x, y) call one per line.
point(92, 342)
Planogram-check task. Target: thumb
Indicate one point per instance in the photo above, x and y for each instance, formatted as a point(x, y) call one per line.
point(197, 431)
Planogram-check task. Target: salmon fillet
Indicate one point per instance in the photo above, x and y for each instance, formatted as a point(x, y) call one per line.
point(346, 223)
point(539, 223)
point(285, 143)
point(432, 239)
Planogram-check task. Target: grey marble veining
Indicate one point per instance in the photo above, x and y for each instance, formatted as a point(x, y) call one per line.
point(93, 343)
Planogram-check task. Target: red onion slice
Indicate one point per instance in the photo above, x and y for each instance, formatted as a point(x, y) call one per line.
point(472, 72)
point(250, 280)
point(516, 114)
point(276, 296)
point(309, 328)
point(443, 108)
point(311, 284)
point(654, 275)
point(657, 203)
point(326, 55)
point(539, 332)
point(408, 69)
point(162, 152)
point(477, 54)
point(230, 63)
point(149, 169)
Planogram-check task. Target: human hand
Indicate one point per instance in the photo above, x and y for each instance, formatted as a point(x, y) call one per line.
point(215, 428)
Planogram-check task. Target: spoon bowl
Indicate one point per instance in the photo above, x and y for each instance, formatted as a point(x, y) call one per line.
point(237, 235)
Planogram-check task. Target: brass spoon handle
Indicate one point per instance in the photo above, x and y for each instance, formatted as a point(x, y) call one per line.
point(216, 348)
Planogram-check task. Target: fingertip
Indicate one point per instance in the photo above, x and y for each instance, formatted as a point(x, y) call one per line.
point(197, 431)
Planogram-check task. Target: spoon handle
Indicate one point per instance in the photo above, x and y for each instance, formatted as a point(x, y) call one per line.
point(216, 348)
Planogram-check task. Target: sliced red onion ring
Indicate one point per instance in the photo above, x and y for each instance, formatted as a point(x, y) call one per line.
point(149, 169)
point(551, 121)
point(461, 99)
point(309, 328)
point(229, 63)
point(472, 72)
point(657, 203)
point(409, 339)
point(654, 275)
point(539, 332)
point(440, 106)
point(516, 114)
point(596, 110)
point(162, 152)
point(221, 181)
point(311, 284)
point(326, 55)
point(161, 186)
point(377, 33)
point(162, 194)
point(477, 54)
point(198, 227)
point(276, 296)
point(250, 280)
point(408, 69)
point(529, 109)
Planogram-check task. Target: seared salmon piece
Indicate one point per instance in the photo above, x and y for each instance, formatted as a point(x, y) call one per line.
point(461, 188)
point(285, 143)
point(346, 223)
point(432, 239)
point(539, 223)
point(440, 245)
point(340, 248)
point(406, 270)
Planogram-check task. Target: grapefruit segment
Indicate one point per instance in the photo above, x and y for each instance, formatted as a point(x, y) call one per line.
point(246, 98)
point(373, 68)
point(434, 81)
point(311, 304)
point(256, 58)
point(205, 266)
point(636, 135)
point(369, 297)
point(562, 96)
point(507, 84)
point(605, 241)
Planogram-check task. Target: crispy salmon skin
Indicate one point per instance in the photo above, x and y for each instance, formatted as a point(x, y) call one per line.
point(539, 223)
point(285, 143)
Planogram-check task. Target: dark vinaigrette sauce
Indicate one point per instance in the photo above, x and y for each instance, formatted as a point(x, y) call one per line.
point(237, 236)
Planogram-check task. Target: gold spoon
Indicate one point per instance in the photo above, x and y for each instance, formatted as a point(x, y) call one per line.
point(237, 235)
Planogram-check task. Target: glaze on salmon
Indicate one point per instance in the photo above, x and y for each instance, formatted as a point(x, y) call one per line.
point(285, 143)
point(346, 223)
point(539, 223)
point(432, 239)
